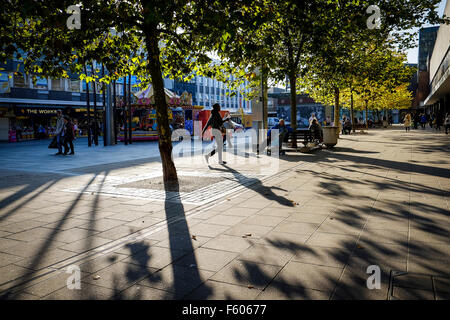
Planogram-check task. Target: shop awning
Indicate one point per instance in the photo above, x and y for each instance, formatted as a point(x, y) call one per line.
point(146, 96)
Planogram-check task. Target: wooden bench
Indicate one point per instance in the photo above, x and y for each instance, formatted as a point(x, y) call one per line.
point(301, 136)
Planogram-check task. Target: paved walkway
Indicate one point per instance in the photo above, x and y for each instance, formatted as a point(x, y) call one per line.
point(307, 228)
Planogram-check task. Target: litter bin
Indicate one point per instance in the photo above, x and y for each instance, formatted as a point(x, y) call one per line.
point(330, 136)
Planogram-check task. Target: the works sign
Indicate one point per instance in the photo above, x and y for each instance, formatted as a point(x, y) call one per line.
point(26, 111)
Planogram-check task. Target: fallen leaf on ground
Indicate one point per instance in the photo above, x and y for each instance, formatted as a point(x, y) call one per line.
point(96, 277)
point(194, 237)
point(250, 287)
point(360, 247)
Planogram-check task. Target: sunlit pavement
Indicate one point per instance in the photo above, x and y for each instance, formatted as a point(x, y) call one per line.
point(306, 227)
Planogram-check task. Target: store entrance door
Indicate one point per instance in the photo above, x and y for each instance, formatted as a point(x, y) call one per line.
point(4, 129)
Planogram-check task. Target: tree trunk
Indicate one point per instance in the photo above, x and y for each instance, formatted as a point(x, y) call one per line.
point(130, 115)
point(115, 111)
point(125, 118)
point(336, 107)
point(104, 107)
point(88, 109)
point(367, 115)
point(95, 126)
point(351, 111)
point(162, 117)
point(293, 81)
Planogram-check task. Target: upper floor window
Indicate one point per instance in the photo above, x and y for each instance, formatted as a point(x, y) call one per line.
point(58, 84)
point(41, 83)
point(20, 80)
point(74, 85)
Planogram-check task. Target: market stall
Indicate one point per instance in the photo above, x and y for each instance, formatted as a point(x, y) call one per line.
point(144, 124)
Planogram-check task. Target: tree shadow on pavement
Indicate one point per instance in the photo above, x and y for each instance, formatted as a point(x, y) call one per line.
point(256, 185)
point(180, 246)
point(35, 261)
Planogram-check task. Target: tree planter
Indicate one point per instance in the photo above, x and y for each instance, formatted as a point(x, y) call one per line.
point(330, 136)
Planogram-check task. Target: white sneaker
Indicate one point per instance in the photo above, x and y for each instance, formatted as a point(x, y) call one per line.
point(207, 158)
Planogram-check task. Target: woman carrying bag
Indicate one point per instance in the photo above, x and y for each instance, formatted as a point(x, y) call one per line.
point(218, 131)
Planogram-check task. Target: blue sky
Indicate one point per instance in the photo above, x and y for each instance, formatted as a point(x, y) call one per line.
point(413, 53)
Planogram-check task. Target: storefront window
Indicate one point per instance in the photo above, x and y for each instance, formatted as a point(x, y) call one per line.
point(74, 85)
point(20, 80)
point(41, 83)
point(4, 83)
point(58, 84)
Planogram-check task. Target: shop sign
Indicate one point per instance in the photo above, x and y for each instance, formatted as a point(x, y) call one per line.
point(36, 111)
point(152, 114)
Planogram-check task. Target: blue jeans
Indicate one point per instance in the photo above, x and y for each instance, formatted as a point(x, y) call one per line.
point(59, 142)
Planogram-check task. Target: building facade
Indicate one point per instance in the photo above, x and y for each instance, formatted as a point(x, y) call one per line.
point(25, 107)
point(438, 99)
point(427, 39)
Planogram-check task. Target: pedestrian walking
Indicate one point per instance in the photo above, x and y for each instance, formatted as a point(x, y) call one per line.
point(216, 122)
point(59, 131)
point(447, 123)
point(439, 121)
point(416, 120)
point(229, 126)
point(423, 120)
point(69, 135)
point(407, 122)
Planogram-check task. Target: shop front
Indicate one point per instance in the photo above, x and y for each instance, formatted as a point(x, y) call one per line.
point(28, 122)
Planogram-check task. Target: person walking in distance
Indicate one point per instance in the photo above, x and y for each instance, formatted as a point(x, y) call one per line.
point(68, 136)
point(416, 120)
point(407, 122)
point(59, 131)
point(447, 123)
point(218, 131)
point(423, 120)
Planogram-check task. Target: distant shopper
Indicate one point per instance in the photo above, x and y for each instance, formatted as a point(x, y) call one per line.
point(416, 120)
point(75, 129)
point(439, 121)
point(229, 126)
point(447, 123)
point(218, 131)
point(68, 136)
point(59, 131)
point(407, 122)
point(41, 132)
point(423, 120)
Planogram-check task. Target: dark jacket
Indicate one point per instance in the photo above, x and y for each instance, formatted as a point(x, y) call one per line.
point(69, 134)
point(215, 121)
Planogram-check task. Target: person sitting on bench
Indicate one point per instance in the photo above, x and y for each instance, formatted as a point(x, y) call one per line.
point(316, 130)
point(283, 134)
point(347, 127)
